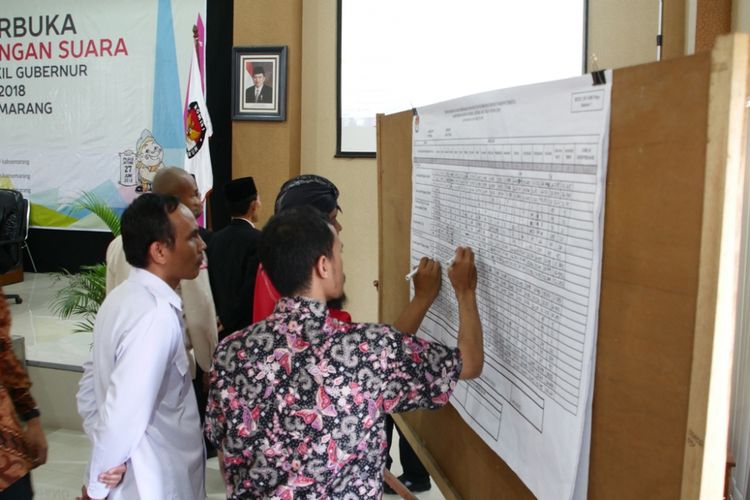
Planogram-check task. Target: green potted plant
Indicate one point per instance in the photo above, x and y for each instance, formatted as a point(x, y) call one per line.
point(84, 291)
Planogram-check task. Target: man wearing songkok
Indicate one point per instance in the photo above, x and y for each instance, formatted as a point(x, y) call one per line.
point(297, 401)
point(135, 396)
point(233, 256)
point(304, 190)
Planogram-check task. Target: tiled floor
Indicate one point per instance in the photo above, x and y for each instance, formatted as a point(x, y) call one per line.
point(51, 343)
point(62, 476)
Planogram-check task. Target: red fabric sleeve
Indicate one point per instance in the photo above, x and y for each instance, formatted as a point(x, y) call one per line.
point(265, 296)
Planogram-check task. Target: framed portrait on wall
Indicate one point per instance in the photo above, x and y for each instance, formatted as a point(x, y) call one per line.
point(259, 83)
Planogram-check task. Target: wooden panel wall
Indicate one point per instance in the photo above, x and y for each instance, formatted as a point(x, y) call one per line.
point(270, 151)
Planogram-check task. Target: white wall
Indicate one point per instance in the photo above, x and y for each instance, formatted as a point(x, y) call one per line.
point(740, 15)
point(355, 178)
point(620, 34)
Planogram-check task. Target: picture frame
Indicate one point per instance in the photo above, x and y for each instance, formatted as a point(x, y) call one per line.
point(259, 83)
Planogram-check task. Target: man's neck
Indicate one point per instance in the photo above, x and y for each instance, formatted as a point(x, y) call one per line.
point(159, 273)
point(314, 293)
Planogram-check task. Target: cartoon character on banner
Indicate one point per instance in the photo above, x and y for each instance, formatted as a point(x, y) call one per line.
point(149, 156)
point(138, 168)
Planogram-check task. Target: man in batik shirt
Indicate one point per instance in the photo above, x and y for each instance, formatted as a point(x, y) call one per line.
point(297, 401)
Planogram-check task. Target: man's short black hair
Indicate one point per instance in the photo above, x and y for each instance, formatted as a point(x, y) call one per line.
point(258, 70)
point(145, 221)
point(240, 208)
point(291, 243)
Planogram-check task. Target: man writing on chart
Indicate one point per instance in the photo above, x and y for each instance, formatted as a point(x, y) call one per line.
point(297, 401)
point(135, 397)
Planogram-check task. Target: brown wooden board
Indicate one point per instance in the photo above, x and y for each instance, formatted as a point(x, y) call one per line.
point(716, 315)
point(650, 280)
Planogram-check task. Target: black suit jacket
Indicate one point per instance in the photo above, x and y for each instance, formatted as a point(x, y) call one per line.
point(232, 265)
point(266, 94)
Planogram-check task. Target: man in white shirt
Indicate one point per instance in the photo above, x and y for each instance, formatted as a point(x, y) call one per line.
point(199, 309)
point(135, 396)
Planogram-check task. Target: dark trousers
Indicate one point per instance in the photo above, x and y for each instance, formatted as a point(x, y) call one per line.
point(413, 468)
point(19, 490)
point(201, 396)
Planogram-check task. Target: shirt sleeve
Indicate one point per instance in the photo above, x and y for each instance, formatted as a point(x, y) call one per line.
point(13, 375)
point(200, 318)
point(142, 359)
point(86, 397)
point(415, 373)
point(215, 420)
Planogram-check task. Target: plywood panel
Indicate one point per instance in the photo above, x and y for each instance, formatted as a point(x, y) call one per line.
point(716, 308)
point(652, 232)
point(654, 229)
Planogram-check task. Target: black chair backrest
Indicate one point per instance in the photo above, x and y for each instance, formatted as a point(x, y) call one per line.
point(13, 209)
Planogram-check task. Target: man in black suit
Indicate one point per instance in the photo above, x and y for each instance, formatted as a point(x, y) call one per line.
point(259, 92)
point(232, 254)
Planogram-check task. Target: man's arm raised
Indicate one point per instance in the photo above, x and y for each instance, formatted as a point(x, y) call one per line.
point(463, 276)
point(426, 288)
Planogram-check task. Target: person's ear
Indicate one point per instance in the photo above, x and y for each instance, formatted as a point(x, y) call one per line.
point(157, 252)
point(323, 267)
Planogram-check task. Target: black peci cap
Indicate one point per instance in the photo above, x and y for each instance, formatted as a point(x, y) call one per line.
point(241, 189)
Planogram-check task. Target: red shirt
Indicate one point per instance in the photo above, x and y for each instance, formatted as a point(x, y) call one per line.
point(266, 296)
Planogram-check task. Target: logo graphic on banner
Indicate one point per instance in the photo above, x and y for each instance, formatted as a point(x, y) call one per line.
point(195, 129)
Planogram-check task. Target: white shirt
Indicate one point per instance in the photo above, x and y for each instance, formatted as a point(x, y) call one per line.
point(199, 308)
point(136, 398)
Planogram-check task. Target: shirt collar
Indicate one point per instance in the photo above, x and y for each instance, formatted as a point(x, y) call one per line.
point(301, 306)
point(246, 220)
point(157, 285)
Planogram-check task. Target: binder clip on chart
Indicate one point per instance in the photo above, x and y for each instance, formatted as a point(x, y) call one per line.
point(597, 75)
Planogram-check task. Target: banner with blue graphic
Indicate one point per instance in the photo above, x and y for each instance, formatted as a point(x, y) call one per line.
point(92, 100)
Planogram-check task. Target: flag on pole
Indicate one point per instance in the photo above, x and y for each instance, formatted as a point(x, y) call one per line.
point(197, 131)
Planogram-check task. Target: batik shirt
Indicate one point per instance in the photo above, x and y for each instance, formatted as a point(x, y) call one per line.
point(297, 401)
point(16, 455)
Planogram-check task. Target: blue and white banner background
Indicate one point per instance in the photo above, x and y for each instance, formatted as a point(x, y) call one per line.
point(91, 100)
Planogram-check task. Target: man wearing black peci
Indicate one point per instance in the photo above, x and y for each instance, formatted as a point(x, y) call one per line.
point(232, 253)
point(259, 92)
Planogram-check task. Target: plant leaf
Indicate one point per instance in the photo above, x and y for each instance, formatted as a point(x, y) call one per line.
point(81, 295)
point(98, 207)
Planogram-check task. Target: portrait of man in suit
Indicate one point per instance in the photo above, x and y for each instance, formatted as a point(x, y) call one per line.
point(259, 92)
point(259, 83)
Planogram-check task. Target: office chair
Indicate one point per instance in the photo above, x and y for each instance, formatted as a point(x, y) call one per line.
point(14, 227)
